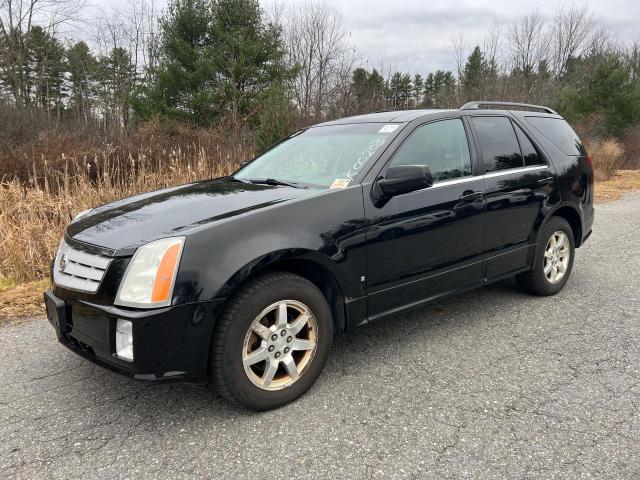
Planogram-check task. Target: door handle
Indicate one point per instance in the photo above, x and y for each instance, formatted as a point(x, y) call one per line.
point(545, 181)
point(470, 196)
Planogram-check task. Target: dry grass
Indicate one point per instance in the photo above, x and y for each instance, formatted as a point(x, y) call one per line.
point(66, 176)
point(21, 302)
point(33, 215)
point(608, 157)
point(631, 147)
point(623, 181)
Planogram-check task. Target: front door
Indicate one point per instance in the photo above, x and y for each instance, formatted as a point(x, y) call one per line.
point(426, 243)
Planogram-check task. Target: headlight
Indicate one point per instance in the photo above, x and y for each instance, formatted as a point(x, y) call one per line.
point(148, 281)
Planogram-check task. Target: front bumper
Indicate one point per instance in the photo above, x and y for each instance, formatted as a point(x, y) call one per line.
point(169, 344)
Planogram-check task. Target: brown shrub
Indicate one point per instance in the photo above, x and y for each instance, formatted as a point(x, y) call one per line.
point(587, 127)
point(34, 213)
point(631, 146)
point(53, 149)
point(608, 157)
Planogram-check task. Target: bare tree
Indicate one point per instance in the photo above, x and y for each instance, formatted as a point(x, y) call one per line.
point(528, 43)
point(574, 30)
point(459, 51)
point(317, 45)
point(493, 52)
point(127, 43)
point(17, 19)
point(632, 56)
point(275, 12)
point(492, 46)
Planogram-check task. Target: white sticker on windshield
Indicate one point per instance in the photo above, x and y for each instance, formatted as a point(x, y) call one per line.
point(388, 128)
point(339, 183)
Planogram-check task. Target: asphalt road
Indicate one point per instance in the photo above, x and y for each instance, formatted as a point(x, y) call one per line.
point(491, 384)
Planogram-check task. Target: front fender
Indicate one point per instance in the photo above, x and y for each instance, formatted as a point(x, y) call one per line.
point(281, 256)
point(328, 230)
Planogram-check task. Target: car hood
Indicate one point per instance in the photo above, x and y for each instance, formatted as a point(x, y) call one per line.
point(126, 224)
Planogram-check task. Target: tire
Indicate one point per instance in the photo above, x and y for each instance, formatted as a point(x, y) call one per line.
point(536, 280)
point(239, 334)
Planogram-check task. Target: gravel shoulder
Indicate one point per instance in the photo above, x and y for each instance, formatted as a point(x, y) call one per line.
point(490, 384)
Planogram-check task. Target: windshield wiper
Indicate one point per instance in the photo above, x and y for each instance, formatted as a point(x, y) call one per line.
point(274, 181)
point(231, 178)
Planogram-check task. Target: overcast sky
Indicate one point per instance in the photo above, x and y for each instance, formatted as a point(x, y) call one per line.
point(415, 35)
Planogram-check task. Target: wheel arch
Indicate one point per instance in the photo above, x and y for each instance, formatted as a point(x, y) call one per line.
point(306, 263)
point(321, 277)
point(573, 217)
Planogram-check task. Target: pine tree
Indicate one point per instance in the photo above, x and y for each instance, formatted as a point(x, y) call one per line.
point(394, 86)
point(45, 69)
point(377, 91)
point(359, 89)
point(218, 58)
point(116, 74)
point(82, 69)
point(606, 93)
point(418, 90)
point(474, 75)
point(181, 84)
point(439, 89)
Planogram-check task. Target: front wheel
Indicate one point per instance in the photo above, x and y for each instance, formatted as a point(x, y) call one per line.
point(553, 260)
point(271, 342)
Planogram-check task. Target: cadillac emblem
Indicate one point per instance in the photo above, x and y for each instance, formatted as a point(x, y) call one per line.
point(62, 263)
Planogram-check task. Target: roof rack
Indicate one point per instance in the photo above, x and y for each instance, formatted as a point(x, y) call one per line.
point(505, 105)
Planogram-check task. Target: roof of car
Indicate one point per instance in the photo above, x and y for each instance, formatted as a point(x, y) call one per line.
point(384, 117)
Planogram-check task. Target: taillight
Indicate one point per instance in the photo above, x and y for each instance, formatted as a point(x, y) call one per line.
point(590, 163)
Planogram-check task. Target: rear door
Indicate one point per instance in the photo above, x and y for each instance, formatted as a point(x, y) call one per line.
point(518, 183)
point(427, 243)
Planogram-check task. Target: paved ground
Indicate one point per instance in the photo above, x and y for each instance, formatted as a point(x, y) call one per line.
point(495, 384)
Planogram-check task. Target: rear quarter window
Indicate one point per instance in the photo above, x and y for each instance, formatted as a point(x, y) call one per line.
point(559, 133)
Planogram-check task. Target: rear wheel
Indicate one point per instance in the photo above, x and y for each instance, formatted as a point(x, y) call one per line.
point(271, 342)
point(553, 259)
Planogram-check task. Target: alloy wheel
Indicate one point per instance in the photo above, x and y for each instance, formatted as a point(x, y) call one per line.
point(279, 345)
point(556, 257)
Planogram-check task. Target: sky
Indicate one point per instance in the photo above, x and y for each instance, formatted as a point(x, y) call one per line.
point(416, 35)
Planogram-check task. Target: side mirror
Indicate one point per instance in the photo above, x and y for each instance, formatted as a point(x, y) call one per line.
point(401, 179)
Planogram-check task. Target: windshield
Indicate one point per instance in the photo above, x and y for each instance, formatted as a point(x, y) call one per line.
point(331, 156)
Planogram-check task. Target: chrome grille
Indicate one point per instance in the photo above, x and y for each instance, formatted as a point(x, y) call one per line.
point(79, 270)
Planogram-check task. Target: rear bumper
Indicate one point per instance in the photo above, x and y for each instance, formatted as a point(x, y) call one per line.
point(587, 227)
point(169, 344)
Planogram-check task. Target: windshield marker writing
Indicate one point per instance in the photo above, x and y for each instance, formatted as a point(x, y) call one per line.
point(364, 158)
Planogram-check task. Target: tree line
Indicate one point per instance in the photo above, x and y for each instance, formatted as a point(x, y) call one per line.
point(271, 71)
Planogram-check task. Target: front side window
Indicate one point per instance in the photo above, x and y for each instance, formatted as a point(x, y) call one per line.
point(322, 156)
point(441, 145)
point(498, 142)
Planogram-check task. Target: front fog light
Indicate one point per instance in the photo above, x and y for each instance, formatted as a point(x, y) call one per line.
point(124, 340)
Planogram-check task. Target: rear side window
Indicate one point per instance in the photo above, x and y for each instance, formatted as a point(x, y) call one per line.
point(500, 148)
point(560, 134)
point(529, 152)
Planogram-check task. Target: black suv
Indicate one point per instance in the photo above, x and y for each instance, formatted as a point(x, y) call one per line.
point(242, 281)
